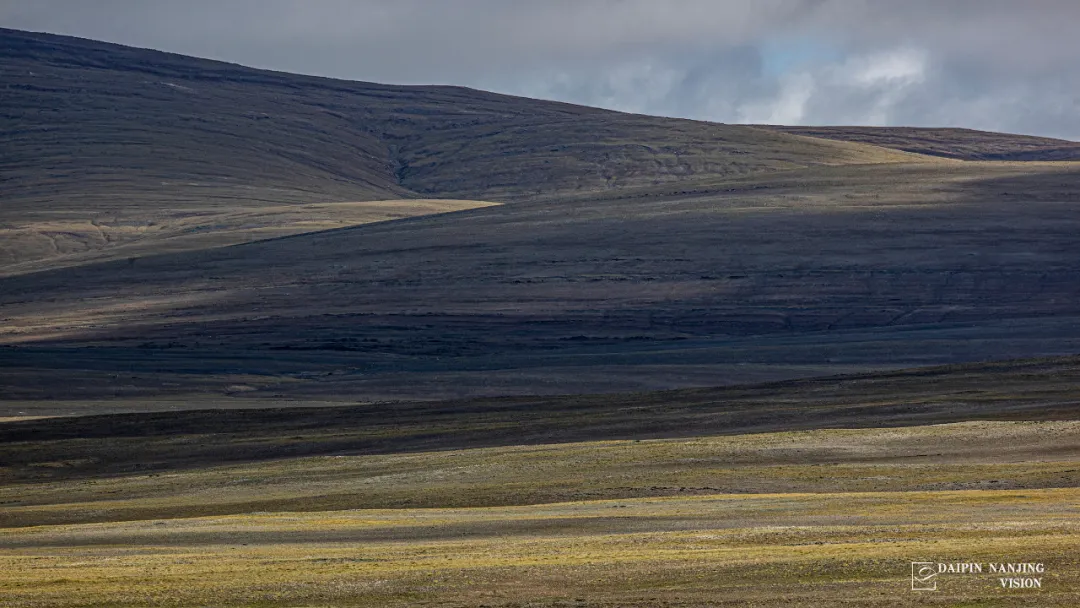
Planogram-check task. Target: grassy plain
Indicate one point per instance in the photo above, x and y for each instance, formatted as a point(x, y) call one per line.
point(759, 495)
point(761, 549)
point(979, 455)
point(712, 550)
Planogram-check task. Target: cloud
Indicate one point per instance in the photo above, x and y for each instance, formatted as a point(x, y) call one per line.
point(787, 107)
point(866, 89)
point(996, 64)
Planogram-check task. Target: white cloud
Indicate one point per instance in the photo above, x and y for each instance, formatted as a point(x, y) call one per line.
point(885, 79)
point(864, 89)
point(787, 108)
point(897, 68)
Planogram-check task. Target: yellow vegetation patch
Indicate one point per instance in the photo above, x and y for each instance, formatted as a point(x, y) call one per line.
point(754, 548)
point(44, 244)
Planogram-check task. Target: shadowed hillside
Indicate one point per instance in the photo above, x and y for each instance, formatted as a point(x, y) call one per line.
point(63, 243)
point(633, 252)
point(104, 139)
point(92, 115)
point(763, 277)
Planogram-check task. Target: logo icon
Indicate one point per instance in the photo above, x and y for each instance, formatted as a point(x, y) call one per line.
point(923, 576)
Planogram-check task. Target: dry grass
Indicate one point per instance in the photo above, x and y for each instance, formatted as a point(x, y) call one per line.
point(769, 550)
point(790, 518)
point(950, 143)
point(976, 455)
point(48, 244)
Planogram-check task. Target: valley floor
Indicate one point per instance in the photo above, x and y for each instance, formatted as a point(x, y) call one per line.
point(139, 510)
point(715, 550)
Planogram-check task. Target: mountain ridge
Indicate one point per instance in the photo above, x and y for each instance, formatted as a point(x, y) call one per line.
point(102, 138)
point(443, 108)
point(631, 252)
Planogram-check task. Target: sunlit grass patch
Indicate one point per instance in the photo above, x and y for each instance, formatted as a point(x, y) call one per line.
point(756, 547)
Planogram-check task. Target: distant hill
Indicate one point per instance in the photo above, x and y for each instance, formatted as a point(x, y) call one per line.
point(95, 122)
point(965, 144)
point(105, 144)
point(170, 224)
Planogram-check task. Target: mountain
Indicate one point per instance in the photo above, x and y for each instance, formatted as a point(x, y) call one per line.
point(106, 145)
point(238, 237)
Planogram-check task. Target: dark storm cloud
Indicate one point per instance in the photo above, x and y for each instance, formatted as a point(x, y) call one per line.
point(993, 64)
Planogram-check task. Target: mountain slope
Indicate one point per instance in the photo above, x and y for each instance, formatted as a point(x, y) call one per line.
point(61, 243)
point(516, 159)
point(768, 276)
point(99, 137)
point(632, 252)
point(103, 113)
point(964, 144)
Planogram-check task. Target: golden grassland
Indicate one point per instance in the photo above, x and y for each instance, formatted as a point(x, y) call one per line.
point(806, 518)
point(972, 455)
point(757, 549)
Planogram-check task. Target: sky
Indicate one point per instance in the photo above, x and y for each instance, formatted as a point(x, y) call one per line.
point(1000, 65)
